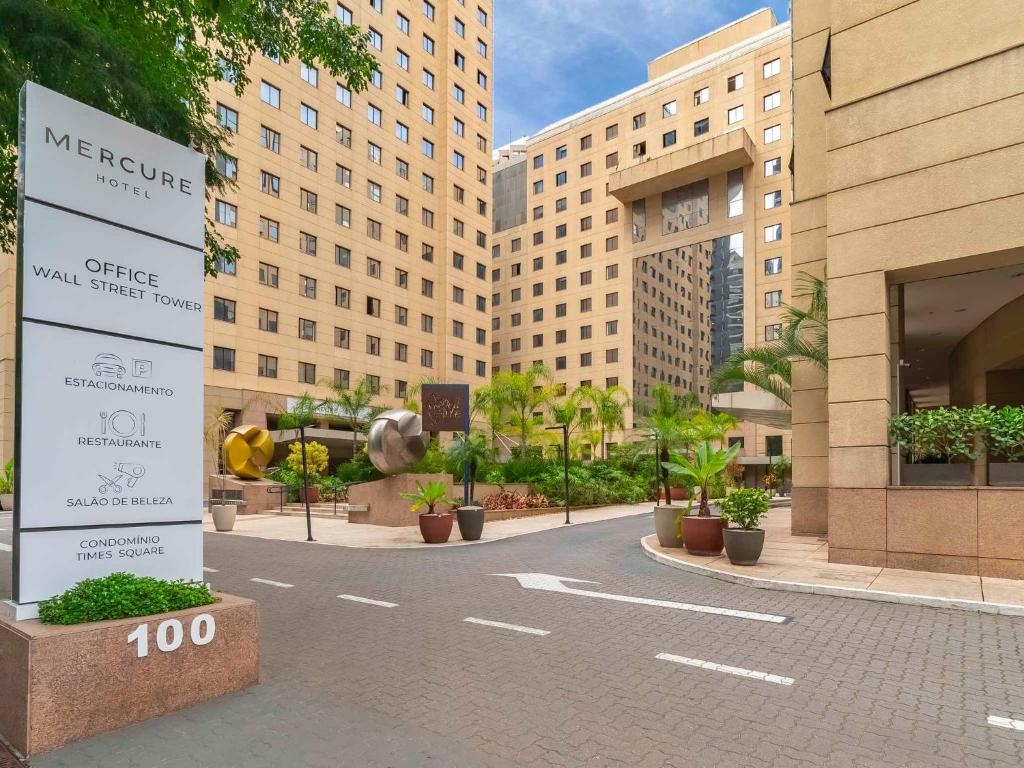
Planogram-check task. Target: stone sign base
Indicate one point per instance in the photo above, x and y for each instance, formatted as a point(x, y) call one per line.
point(252, 496)
point(64, 683)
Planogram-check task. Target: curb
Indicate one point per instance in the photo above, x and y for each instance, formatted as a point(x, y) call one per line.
point(974, 606)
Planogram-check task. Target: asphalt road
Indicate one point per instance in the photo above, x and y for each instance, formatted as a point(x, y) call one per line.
point(852, 683)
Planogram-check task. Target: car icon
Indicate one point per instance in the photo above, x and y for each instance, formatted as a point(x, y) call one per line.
point(108, 365)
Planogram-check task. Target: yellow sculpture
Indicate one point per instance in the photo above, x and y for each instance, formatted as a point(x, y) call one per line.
point(246, 449)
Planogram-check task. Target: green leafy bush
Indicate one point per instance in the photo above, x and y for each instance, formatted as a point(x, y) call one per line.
point(745, 507)
point(7, 477)
point(121, 596)
point(596, 483)
point(1003, 433)
point(947, 434)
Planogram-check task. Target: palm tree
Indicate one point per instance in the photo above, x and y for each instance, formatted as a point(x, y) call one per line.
point(469, 451)
point(706, 465)
point(768, 367)
point(667, 425)
point(608, 408)
point(356, 406)
point(521, 394)
point(713, 427)
point(411, 400)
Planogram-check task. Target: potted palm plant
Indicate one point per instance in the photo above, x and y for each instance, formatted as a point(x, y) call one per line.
point(467, 452)
point(7, 486)
point(702, 534)
point(744, 508)
point(1003, 434)
point(435, 527)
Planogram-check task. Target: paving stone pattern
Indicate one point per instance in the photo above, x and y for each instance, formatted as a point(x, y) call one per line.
point(349, 684)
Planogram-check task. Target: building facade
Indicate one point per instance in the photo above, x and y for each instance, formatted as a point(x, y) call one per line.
point(644, 239)
point(363, 220)
point(908, 195)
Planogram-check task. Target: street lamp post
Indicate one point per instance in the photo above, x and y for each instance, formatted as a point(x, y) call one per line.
point(565, 463)
point(657, 474)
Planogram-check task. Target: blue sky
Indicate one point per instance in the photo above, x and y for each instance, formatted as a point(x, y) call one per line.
point(555, 57)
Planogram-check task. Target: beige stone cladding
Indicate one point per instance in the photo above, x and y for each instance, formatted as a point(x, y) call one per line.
point(569, 280)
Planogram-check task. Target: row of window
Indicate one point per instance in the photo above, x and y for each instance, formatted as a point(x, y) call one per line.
point(267, 367)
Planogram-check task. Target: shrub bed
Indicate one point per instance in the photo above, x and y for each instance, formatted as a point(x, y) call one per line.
point(121, 596)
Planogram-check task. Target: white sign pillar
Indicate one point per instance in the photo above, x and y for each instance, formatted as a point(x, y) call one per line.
point(109, 398)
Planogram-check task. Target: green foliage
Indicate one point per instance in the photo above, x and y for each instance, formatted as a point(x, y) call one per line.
point(531, 469)
point(435, 492)
point(150, 62)
point(939, 433)
point(121, 596)
point(433, 462)
point(745, 507)
point(359, 470)
point(357, 405)
point(515, 396)
point(7, 477)
point(598, 482)
point(316, 458)
point(706, 465)
point(1003, 432)
point(471, 451)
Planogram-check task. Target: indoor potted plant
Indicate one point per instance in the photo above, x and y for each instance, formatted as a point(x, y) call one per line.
point(468, 452)
point(939, 444)
point(1003, 435)
point(702, 534)
point(744, 508)
point(316, 464)
point(7, 486)
point(435, 527)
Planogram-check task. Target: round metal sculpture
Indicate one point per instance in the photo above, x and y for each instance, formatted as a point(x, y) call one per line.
point(246, 449)
point(396, 440)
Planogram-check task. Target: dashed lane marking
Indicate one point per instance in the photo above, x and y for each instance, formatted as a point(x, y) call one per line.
point(1006, 722)
point(280, 584)
point(738, 671)
point(503, 625)
point(209, 570)
point(368, 601)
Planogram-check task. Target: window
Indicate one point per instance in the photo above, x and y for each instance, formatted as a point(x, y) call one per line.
point(402, 23)
point(342, 338)
point(586, 304)
point(308, 200)
point(308, 73)
point(227, 118)
point(481, 47)
point(373, 345)
point(772, 101)
point(586, 223)
point(458, 329)
point(373, 114)
point(640, 149)
point(377, 5)
point(342, 256)
point(773, 167)
point(372, 306)
point(401, 315)
point(668, 138)
point(773, 199)
point(611, 243)
point(374, 152)
point(458, 160)
point(735, 82)
point(611, 132)
point(307, 286)
point(269, 229)
point(586, 250)
point(376, 79)
point(427, 218)
point(773, 266)
point(223, 309)
point(428, 79)
point(227, 165)
point(702, 126)
point(373, 228)
point(426, 287)
point(611, 355)
point(223, 359)
point(307, 373)
point(374, 191)
point(402, 59)
point(772, 299)
point(226, 213)
point(458, 126)
point(611, 271)
point(428, 148)
point(307, 243)
point(375, 38)
point(481, 79)
point(344, 14)
point(611, 215)
point(735, 114)
point(427, 254)
point(402, 97)
point(772, 134)
point(342, 378)
point(401, 168)
point(771, 68)
point(308, 115)
point(561, 178)
point(561, 152)
point(586, 195)
point(401, 352)
point(639, 121)
point(266, 366)
point(460, 61)
point(308, 158)
point(343, 135)
point(460, 94)
point(611, 160)
point(268, 275)
point(586, 169)
point(701, 96)
point(307, 330)
point(560, 310)
point(611, 299)
point(270, 184)
point(458, 295)
point(586, 358)
point(270, 139)
point(611, 327)
point(342, 297)
point(426, 358)
point(428, 10)
point(772, 233)
point(343, 175)
point(343, 215)
point(773, 332)
point(460, 27)
point(538, 186)
point(586, 277)
point(734, 192)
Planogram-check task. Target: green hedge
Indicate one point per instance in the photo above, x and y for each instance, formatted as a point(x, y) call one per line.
point(121, 596)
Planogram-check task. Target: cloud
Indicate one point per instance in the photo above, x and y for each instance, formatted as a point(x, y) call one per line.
point(555, 58)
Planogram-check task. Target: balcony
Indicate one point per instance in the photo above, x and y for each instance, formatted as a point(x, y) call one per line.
point(716, 155)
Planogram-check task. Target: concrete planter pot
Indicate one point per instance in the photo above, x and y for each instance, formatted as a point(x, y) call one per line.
point(936, 474)
point(743, 547)
point(436, 529)
point(7, 502)
point(224, 516)
point(703, 535)
point(471, 522)
point(999, 473)
point(314, 494)
point(665, 524)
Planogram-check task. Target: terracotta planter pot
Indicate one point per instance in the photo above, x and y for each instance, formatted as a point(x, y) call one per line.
point(665, 524)
point(678, 494)
point(314, 495)
point(435, 528)
point(743, 547)
point(471, 522)
point(703, 535)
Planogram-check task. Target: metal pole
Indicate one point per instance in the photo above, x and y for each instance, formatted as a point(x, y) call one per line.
point(305, 485)
point(565, 465)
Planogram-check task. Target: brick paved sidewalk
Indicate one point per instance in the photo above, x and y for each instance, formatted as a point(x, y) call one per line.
point(789, 562)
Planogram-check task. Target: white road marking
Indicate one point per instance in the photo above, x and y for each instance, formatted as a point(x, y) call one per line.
point(273, 583)
point(738, 671)
point(368, 601)
point(1006, 722)
point(549, 583)
point(503, 625)
point(209, 570)
point(5, 548)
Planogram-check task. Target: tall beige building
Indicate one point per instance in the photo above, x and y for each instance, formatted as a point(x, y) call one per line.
point(642, 240)
point(363, 219)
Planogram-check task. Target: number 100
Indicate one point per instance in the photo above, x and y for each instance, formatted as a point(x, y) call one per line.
point(170, 633)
